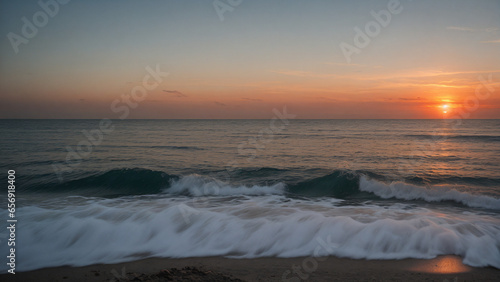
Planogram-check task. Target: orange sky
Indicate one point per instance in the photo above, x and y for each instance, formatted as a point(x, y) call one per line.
point(258, 58)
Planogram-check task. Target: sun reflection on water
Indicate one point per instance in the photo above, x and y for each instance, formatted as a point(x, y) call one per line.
point(442, 265)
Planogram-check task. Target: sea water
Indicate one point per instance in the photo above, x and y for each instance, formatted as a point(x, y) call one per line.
point(367, 189)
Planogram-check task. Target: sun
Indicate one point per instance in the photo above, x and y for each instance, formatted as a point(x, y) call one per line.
point(445, 108)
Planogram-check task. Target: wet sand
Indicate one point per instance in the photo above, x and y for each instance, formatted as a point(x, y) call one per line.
point(443, 268)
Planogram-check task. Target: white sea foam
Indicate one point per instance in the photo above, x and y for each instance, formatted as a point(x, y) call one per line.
point(196, 185)
point(404, 191)
point(116, 230)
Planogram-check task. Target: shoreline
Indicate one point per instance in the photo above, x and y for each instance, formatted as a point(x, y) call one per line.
point(440, 268)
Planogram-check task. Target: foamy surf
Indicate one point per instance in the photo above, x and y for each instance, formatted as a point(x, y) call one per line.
point(195, 215)
point(116, 230)
point(404, 191)
point(197, 185)
point(338, 184)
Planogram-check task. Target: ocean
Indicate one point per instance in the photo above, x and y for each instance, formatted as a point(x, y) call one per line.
point(92, 191)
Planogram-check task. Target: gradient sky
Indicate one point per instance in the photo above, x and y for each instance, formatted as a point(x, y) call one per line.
point(263, 55)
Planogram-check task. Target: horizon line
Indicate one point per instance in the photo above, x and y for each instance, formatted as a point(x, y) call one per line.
point(249, 119)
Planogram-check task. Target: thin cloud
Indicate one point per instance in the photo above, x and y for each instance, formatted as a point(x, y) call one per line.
point(293, 72)
point(219, 104)
point(410, 99)
point(325, 98)
point(304, 74)
point(470, 29)
point(416, 75)
point(491, 29)
point(492, 41)
point(460, 28)
point(376, 77)
point(351, 65)
point(175, 93)
point(252, 99)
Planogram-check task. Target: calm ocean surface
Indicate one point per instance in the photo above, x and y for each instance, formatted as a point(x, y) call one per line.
point(375, 189)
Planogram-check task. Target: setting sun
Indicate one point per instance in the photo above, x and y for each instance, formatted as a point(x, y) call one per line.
point(445, 108)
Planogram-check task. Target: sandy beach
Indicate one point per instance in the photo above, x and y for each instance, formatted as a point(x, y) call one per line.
point(444, 268)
